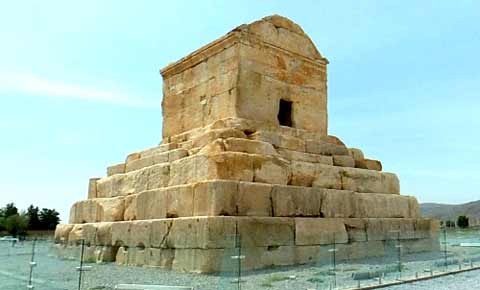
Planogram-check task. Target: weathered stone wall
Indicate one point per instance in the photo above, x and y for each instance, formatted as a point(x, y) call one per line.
point(268, 74)
point(204, 92)
point(245, 74)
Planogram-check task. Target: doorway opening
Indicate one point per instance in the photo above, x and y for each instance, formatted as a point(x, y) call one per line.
point(285, 113)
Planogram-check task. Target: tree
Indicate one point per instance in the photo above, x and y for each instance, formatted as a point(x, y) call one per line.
point(16, 224)
point(49, 219)
point(450, 224)
point(462, 221)
point(2, 222)
point(9, 210)
point(33, 218)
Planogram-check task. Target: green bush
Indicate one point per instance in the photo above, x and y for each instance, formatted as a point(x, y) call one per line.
point(462, 221)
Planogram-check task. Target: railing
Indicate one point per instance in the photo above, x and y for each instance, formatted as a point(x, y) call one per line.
point(394, 259)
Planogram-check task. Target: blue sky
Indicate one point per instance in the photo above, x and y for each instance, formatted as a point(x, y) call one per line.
point(80, 88)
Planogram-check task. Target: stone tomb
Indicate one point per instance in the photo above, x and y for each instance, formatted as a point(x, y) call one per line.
point(245, 152)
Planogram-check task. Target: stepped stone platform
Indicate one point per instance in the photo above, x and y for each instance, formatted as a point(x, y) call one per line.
point(245, 153)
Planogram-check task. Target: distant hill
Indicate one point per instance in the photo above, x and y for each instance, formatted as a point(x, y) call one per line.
point(452, 211)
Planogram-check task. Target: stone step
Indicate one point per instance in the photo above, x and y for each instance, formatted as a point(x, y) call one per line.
point(237, 198)
point(153, 159)
point(215, 232)
point(246, 167)
point(264, 241)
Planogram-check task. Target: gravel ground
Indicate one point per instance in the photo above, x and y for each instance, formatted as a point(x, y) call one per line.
point(462, 281)
point(52, 273)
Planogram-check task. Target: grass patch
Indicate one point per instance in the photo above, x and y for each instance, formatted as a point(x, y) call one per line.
point(316, 280)
point(268, 283)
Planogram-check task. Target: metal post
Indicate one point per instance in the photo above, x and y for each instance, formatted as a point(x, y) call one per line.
point(81, 266)
point(334, 262)
point(32, 265)
point(334, 259)
point(445, 248)
point(399, 253)
point(239, 244)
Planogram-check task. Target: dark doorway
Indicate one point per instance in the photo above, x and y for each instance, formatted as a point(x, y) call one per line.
point(285, 113)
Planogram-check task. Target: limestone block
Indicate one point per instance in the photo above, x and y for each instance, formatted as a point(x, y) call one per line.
point(216, 197)
point(361, 180)
point(338, 204)
point(214, 134)
point(261, 257)
point(123, 184)
point(121, 233)
point(231, 198)
point(146, 162)
point(140, 234)
point(254, 199)
point(312, 254)
point(324, 148)
point(105, 254)
point(160, 230)
point(356, 154)
point(414, 207)
point(369, 164)
point(86, 211)
point(130, 208)
point(212, 148)
point(116, 169)
point(427, 228)
point(270, 170)
point(420, 245)
point(158, 176)
point(162, 258)
point(189, 169)
point(319, 231)
point(151, 160)
point(89, 254)
point(158, 149)
point(175, 201)
point(361, 250)
point(235, 166)
point(356, 229)
point(343, 160)
point(327, 177)
point(279, 140)
point(198, 260)
point(381, 205)
point(136, 256)
point(133, 156)
point(104, 186)
point(292, 201)
point(202, 232)
point(151, 204)
point(104, 234)
point(177, 154)
point(305, 157)
point(92, 188)
point(86, 232)
point(264, 231)
point(302, 173)
point(62, 231)
point(390, 229)
point(112, 209)
point(249, 146)
point(122, 256)
point(179, 201)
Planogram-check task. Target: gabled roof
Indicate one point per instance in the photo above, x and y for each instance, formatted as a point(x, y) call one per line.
point(274, 30)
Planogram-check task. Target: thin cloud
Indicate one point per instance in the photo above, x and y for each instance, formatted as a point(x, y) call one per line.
point(31, 85)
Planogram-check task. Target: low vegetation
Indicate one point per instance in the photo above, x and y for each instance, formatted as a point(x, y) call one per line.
point(17, 223)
